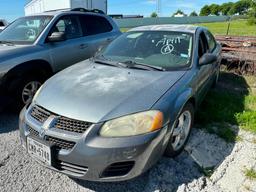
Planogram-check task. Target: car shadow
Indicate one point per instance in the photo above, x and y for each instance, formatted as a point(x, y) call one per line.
point(208, 146)
point(217, 113)
point(171, 173)
point(8, 121)
point(206, 149)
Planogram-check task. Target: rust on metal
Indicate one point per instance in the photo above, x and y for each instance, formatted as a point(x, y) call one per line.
point(239, 52)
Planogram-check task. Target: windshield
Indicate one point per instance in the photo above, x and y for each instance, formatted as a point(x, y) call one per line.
point(25, 30)
point(165, 49)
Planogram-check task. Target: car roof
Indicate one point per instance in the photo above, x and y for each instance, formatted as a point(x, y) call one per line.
point(169, 27)
point(63, 12)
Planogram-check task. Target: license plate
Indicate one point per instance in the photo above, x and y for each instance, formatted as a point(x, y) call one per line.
point(39, 151)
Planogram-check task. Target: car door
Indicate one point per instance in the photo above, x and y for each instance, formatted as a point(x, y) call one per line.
point(70, 51)
point(204, 72)
point(98, 32)
point(215, 49)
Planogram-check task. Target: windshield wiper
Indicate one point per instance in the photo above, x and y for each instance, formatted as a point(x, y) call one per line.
point(6, 42)
point(101, 59)
point(134, 64)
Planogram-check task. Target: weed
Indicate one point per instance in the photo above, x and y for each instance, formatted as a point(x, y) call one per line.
point(250, 174)
point(207, 171)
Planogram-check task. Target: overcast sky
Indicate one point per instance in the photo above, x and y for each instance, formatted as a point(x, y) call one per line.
point(11, 9)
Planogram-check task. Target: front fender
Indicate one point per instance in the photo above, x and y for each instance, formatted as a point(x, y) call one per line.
point(181, 101)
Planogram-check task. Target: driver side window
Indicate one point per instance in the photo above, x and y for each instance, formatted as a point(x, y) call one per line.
point(70, 26)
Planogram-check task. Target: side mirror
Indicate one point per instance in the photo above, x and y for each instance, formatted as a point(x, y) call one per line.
point(56, 37)
point(207, 58)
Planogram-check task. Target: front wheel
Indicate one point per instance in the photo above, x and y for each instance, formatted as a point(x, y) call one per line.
point(181, 131)
point(25, 89)
point(29, 90)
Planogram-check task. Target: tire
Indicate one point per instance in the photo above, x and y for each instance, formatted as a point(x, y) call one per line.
point(187, 114)
point(21, 87)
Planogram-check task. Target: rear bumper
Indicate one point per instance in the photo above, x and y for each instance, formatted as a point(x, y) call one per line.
point(95, 158)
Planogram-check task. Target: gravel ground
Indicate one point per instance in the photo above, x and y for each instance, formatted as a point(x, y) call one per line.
point(182, 174)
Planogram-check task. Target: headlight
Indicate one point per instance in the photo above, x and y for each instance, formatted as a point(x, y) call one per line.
point(134, 124)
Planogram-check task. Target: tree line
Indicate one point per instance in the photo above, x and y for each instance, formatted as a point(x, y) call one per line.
point(241, 7)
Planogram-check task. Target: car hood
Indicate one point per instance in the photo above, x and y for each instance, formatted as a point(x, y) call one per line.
point(11, 51)
point(96, 93)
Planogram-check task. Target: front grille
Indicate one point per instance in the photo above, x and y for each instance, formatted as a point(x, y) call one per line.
point(118, 169)
point(59, 143)
point(41, 115)
point(71, 168)
point(72, 125)
point(33, 132)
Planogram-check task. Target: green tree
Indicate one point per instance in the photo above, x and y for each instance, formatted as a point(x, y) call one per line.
point(205, 11)
point(154, 14)
point(252, 14)
point(215, 9)
point(226, 7)
point(178, 12)
point(241, 7)
point(193, 14)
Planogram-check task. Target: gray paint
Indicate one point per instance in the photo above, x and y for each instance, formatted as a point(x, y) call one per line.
point(97, 93)
point(105, 92)
point(59, 55)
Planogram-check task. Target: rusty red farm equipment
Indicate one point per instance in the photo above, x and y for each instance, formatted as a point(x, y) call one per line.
point(239, 53)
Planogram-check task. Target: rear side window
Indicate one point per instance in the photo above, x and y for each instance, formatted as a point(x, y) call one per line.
point(211, 41)
point(93, 25)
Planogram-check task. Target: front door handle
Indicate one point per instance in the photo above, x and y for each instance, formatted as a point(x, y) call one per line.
point(83, 46)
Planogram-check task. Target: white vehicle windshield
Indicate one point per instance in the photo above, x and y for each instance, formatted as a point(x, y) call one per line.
point(166, 49)
point(25, 30)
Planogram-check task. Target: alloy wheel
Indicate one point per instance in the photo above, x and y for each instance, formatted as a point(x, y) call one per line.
point(29, 91)
point(181, 130)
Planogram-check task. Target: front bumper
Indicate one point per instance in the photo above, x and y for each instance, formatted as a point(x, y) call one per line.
point(95, 158)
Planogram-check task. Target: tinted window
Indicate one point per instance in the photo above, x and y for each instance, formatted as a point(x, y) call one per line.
point(1, 24)
point(211, 41)
point(68, 25)
point(93, 25)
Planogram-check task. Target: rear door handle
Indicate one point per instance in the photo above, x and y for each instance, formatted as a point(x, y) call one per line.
point(83, 46)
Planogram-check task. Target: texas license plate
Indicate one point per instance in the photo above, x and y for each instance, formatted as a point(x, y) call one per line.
point(39, 151)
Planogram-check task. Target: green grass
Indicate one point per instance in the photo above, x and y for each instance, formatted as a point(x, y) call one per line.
point(251, 174)
point(206, 171)
point(231, 103)
point(237, 27)
point(124, 29)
